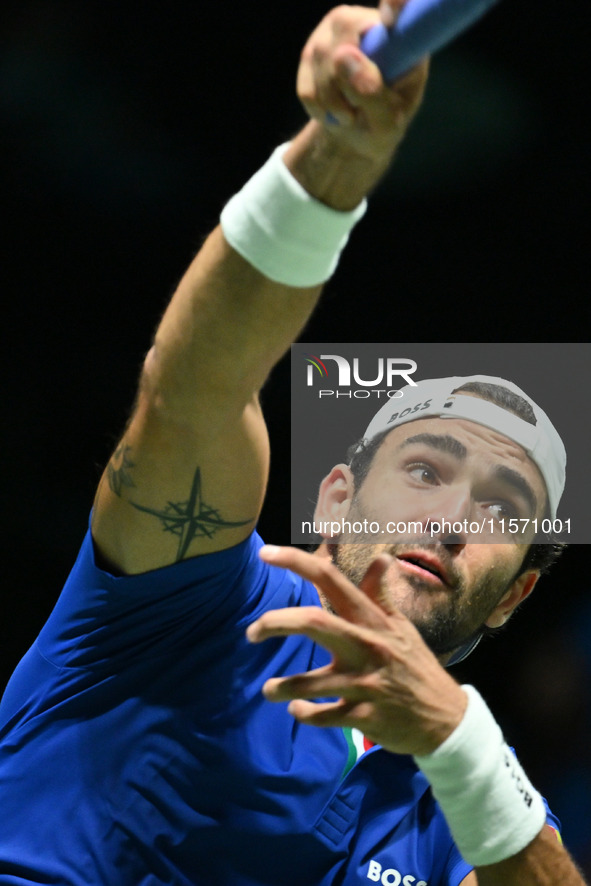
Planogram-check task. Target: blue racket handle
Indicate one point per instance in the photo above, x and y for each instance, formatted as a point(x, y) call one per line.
point(422, 27)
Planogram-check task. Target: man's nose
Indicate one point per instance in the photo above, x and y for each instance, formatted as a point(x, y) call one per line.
point(449, 520)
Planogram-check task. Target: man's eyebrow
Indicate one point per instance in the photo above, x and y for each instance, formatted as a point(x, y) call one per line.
point(443, 442)
point(519, 483)
point(451, 446)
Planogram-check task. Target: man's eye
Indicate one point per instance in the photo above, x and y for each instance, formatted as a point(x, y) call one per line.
point(502, 510)
point(423, 474)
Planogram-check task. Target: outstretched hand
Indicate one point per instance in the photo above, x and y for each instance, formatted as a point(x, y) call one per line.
point(386, 680)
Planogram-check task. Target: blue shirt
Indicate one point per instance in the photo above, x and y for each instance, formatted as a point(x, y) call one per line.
point(136, 747)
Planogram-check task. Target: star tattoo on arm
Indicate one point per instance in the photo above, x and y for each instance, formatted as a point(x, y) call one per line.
point(190, 519)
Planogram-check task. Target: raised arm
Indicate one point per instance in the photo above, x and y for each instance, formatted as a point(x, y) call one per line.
point(189, 474)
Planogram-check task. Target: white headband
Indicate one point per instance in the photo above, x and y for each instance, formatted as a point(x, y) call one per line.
point(435, 398)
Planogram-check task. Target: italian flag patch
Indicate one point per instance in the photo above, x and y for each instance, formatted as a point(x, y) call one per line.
point(357, 745)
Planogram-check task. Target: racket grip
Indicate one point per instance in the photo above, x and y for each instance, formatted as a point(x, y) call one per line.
point(422, 27)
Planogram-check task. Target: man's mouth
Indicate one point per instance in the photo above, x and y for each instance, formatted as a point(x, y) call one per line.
point(424, 566)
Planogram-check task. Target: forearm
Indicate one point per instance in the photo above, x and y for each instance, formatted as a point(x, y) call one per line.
point(234, 319)
point(543, 863)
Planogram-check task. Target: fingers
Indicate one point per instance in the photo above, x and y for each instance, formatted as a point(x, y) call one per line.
point(326, 682)
point(355, 650)
point(356, 657)
point(333, 67)
point(382, 678)
point(329, 85)
point(348, 601)
point(342, 84)
point(358, 78)
point(337, 81)
point(327, 102)
point(340, 713)
point(330, 631)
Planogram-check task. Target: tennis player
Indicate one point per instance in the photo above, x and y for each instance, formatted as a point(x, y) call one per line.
point(145, 737)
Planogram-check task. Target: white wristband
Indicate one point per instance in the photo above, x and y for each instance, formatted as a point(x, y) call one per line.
point(284, 232)
point(490, 805)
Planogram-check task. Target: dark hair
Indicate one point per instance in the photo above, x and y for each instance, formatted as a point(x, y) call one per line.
point(543, 552)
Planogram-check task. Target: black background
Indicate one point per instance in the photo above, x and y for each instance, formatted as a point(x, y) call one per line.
point(124, 130)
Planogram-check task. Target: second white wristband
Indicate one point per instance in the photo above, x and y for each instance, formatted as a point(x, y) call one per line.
point(490, 805)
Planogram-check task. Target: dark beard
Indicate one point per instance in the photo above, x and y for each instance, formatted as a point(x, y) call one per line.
point(443, 635)
point(447, 628)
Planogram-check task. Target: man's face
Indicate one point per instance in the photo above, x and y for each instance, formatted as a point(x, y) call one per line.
point(448, 583)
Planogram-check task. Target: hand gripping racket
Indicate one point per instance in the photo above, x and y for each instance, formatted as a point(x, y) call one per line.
point(423, 26)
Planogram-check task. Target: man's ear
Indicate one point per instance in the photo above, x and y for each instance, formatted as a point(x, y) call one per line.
point(517, 593)
point(334, 500)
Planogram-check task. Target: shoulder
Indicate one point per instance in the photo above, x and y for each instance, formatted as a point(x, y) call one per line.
point(102, 616)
